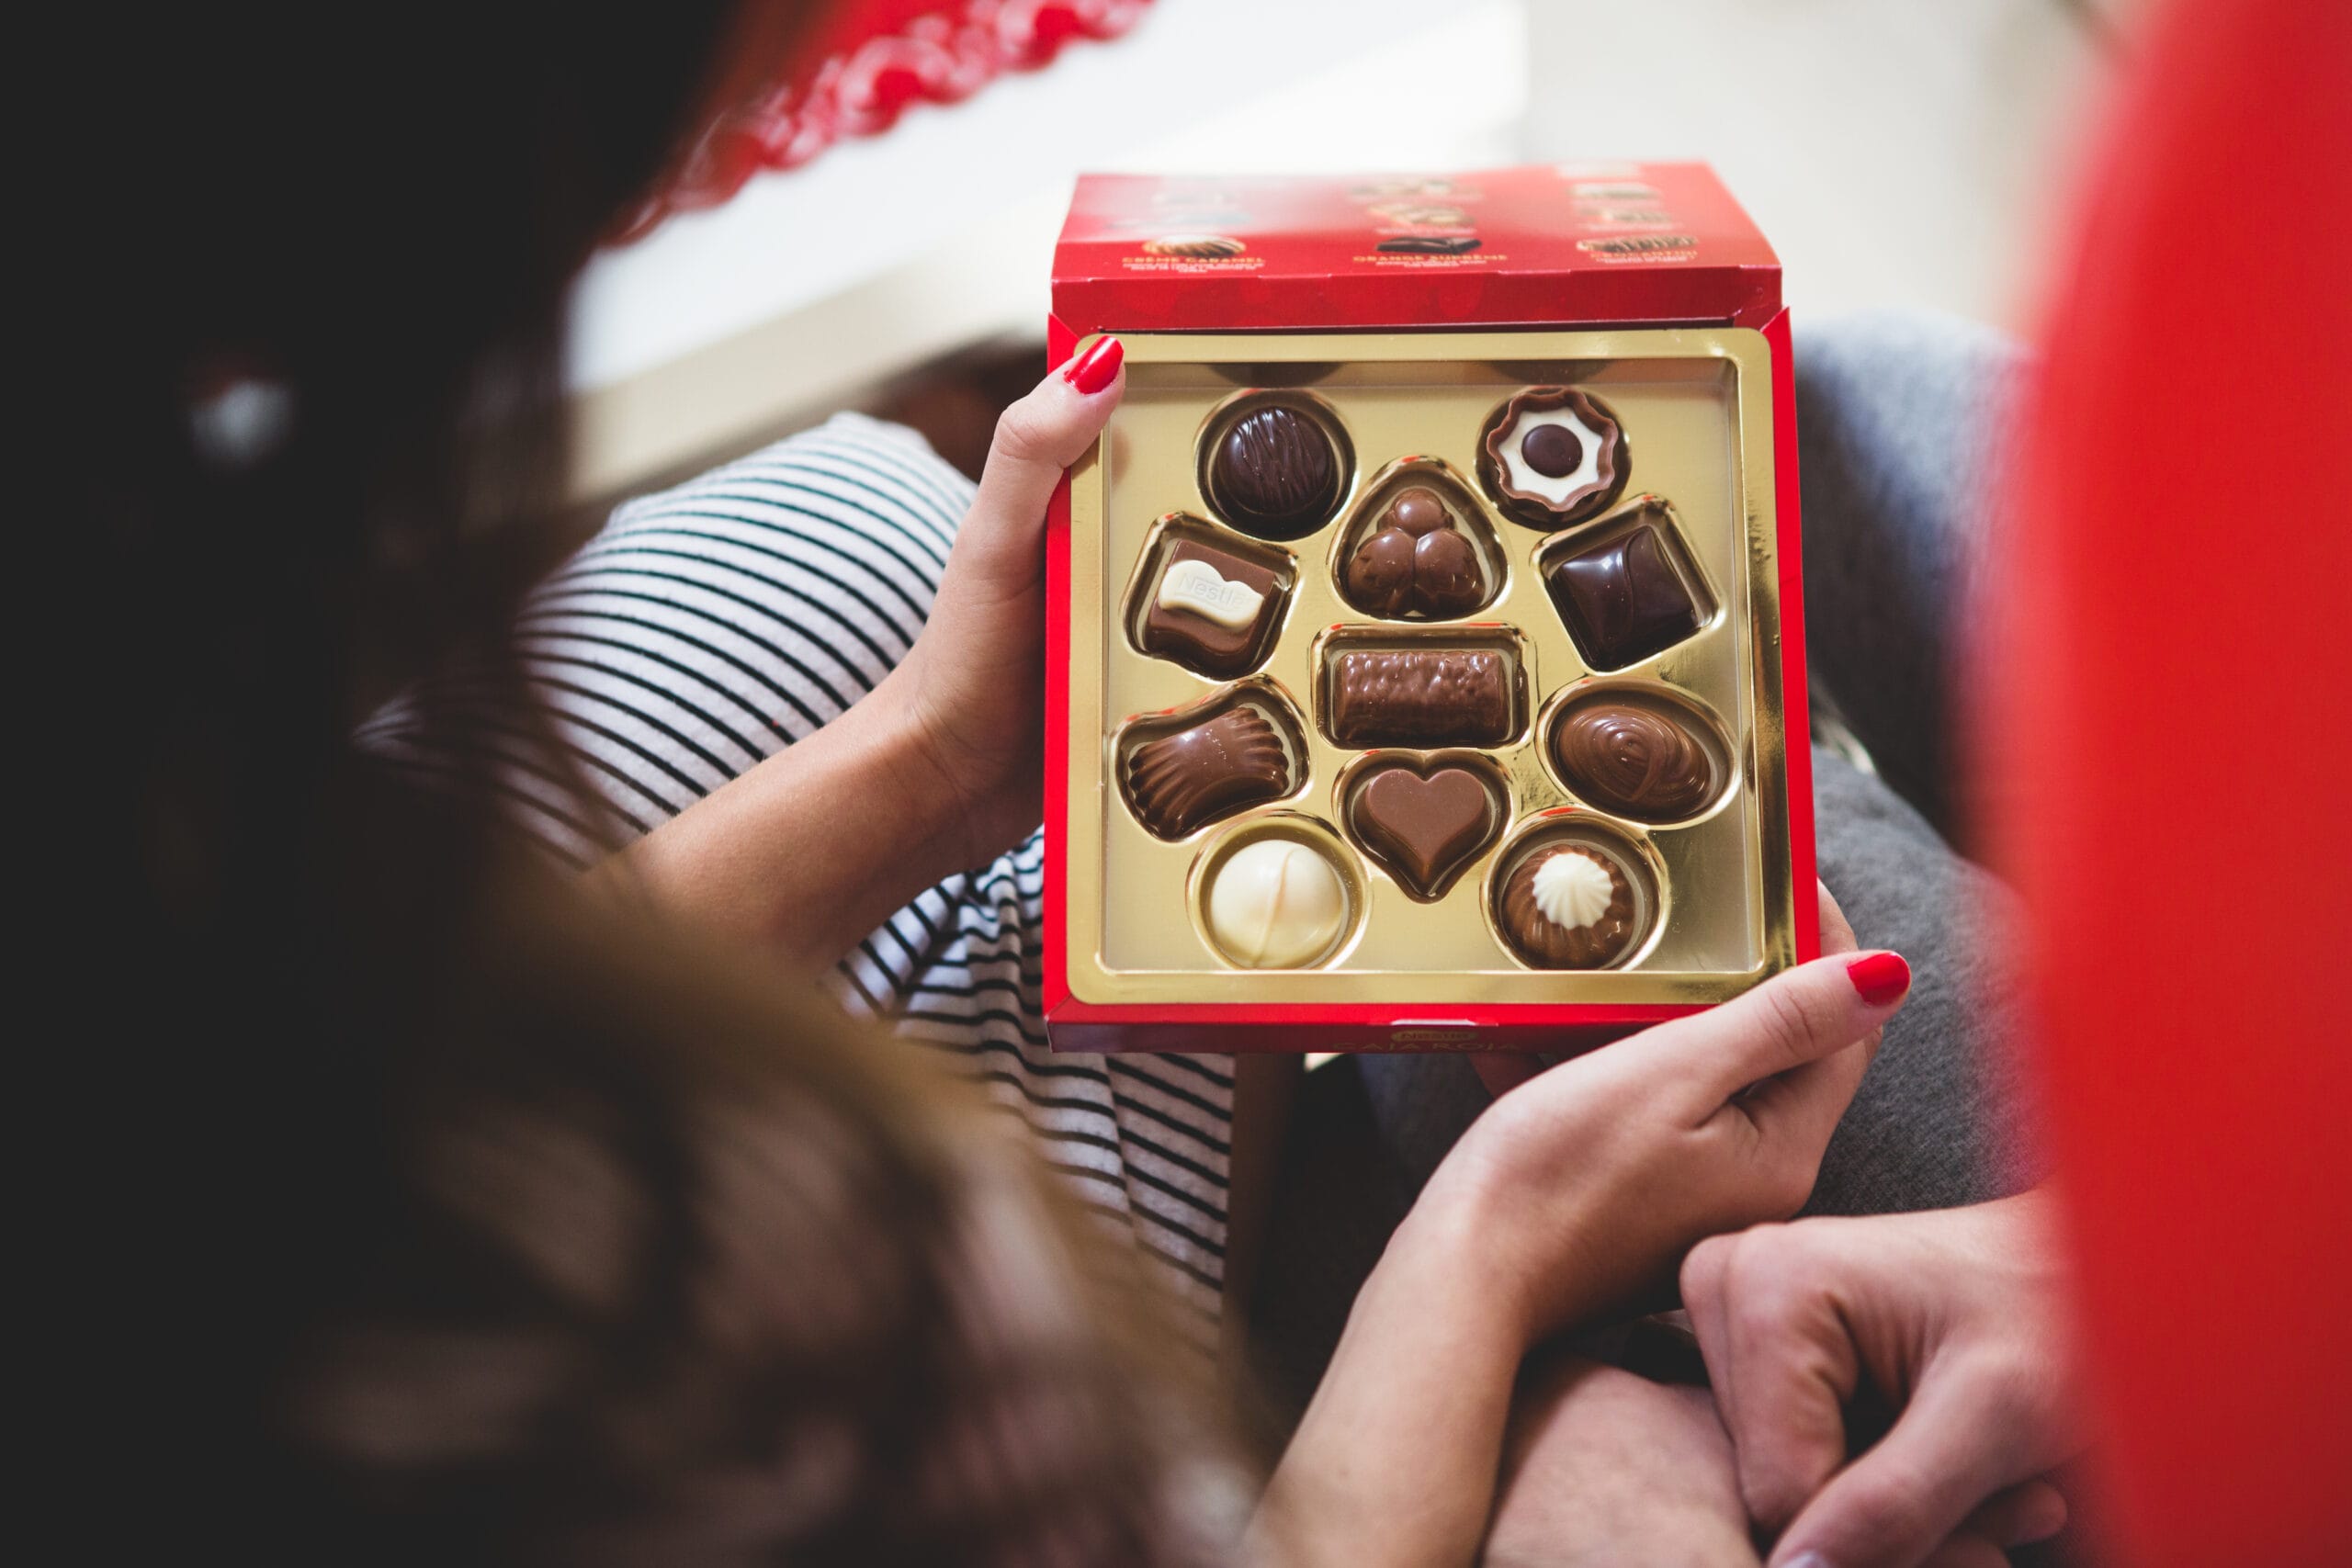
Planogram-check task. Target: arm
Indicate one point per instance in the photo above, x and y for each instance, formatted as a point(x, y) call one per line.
point(1574, 1195)
point(933, 772)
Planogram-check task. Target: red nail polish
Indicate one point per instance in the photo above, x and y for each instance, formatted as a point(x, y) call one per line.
point(1093, 371)
point(1880, 976)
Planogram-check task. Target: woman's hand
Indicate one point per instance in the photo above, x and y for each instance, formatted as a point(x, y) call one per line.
point(1957, 1316)
point(973, 689)
point(938, 769)
point(1578, 1193)
point(1587, 1183)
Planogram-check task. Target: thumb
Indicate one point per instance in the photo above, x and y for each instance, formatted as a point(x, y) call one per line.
point(1798, 1016)
point(1035, 439)
point(1893, 1506)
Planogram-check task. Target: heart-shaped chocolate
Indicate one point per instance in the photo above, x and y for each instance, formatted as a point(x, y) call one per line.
point(1425, 827)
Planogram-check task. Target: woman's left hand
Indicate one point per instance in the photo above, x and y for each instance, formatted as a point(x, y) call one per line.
point(972, 691)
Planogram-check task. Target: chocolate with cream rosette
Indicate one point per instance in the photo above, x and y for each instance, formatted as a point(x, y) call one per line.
point(1568, 907)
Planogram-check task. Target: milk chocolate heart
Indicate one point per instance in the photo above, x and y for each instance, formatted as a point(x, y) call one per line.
point(1425, 828)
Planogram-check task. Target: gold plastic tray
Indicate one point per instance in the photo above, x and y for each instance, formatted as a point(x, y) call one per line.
point(1695, 405)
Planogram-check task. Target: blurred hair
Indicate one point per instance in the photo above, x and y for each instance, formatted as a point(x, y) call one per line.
point(413, 1211)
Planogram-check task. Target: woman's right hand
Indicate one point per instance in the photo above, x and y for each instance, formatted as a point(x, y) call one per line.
point(1586, 1184)
point(1577, 1193)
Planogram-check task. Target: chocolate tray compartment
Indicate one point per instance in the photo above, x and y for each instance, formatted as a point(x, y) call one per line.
point(1207, 599)
point(1451, 686)
point(1276, 465)
point(1641, 750)
point(1626, 587)
point(1425, 818)
point(1416, 546)
point(1572, 892)
point(1183, 770)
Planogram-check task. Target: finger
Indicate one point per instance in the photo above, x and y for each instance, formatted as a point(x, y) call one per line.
point(1706, 1297)
point(1502, 1071)
point(1964, 1551)
point(1036, 438)
point(1797, 1017)
point(1903, 1497)
point(1793, 1368)
point(1837, 936)
point(2028, 1512)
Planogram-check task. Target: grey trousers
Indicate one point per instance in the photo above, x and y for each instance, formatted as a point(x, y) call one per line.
point(1894, 416)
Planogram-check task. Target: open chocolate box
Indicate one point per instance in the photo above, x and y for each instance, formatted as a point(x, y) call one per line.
point(1423, 689)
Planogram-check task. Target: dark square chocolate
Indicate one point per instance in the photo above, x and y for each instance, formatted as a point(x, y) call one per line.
point(1624, 600)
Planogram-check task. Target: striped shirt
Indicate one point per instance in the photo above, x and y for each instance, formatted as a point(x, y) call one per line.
point(711, 626)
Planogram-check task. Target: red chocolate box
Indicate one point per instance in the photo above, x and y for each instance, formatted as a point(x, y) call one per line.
point(1425, 658)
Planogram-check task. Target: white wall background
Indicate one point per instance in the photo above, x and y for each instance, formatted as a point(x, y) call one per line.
point(1896, 151)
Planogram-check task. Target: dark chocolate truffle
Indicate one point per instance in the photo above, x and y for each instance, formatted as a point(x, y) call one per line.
point(1624, 600)
point(1568, 907)
point(1211, 610)
point(1420, 696)
point(1276, 473)
point(1425, 828)
point(1638, 760)
point(1196, 774)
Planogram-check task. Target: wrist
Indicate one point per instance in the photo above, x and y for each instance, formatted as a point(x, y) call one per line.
point(930, 799)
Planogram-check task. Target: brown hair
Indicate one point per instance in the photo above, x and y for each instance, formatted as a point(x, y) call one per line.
point(417, 1210)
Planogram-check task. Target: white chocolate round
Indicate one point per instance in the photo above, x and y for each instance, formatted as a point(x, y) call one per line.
point(1276, 904)
point(1196, 586)
point(1572, 890)
point(1526, 480)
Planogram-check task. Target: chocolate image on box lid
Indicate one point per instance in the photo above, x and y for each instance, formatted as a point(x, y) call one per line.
point(1568, 907)
point(1179, 781)
point(1429, 245)
point(1425, 827)
point(1639, 758)
point(1420, 696)
point(1552, 456)
point(1275, 904)
point(1197, 245)
point(1624, 600)
point(1276, 473)
point(1418, 562)
point(1211, 610)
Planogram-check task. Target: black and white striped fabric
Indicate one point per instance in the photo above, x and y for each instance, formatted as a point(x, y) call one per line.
point(711, 626)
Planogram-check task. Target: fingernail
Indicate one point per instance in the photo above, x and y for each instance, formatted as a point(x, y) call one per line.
point(1094, 370)
point(1880, 977)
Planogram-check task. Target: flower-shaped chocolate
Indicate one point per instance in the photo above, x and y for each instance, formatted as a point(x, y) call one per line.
point(1416, 563)
point(1552, 456)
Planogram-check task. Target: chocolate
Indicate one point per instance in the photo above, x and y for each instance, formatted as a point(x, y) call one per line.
point(1211, 610)
point(1424, 826)
point(1179, 781)
point(1429, 244)
point(1624, 600)
point(1420, 696)
point(1552, 456)
point(1638, 760)
point(1274, 473)
point(1196, 245)
point(1415, 563)
point(1568, 907)
point(1275, 904)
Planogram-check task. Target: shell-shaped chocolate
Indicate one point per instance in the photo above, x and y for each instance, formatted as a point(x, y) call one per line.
point(1635, 759)
point(1179, 781)
point(1275, 472)
point(1546, 942)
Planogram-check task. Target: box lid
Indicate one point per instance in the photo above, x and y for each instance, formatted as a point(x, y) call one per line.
point(1550, 244)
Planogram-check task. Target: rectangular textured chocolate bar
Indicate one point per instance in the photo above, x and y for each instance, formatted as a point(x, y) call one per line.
point(1420, 696)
